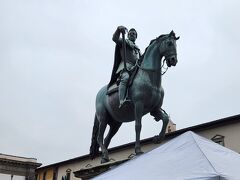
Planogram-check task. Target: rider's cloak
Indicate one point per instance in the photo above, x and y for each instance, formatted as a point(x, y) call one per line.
point(117, 61)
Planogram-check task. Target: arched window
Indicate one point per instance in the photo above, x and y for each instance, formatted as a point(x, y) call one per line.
point(218, 139)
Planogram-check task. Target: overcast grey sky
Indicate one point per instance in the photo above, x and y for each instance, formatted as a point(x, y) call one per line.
point(55, 55)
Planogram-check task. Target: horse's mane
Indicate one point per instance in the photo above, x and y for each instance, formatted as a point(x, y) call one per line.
point(153, 40)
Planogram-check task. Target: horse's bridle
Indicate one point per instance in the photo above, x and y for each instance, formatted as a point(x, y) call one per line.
point(167, 56)
point(152, 70)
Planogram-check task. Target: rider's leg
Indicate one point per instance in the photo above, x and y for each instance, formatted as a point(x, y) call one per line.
point(123, 87)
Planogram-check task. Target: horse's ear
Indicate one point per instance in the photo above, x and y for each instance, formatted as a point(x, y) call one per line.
point(172, 34)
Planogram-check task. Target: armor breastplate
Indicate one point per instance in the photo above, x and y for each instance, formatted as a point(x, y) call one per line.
point(132, 55)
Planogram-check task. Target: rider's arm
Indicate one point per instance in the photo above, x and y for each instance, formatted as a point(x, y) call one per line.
point(116, 36)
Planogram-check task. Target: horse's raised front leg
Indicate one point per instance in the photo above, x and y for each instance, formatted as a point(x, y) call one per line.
point(138, 126)
point(160, 114)
point(114, 126)
point(102, 127)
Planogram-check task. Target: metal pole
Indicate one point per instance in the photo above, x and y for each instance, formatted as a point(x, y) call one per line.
point(124, 51)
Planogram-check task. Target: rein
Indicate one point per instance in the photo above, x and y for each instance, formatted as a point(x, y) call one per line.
point(153, 70)
point(164, 61)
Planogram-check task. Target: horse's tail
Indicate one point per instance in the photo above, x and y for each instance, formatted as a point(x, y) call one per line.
point(94, 148)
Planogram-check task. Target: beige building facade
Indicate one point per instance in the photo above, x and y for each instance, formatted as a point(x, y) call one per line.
point(17, 168)
point(224, 131)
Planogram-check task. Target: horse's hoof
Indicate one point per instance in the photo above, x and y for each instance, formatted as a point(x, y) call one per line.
point(157, 139)
point(104, 160)
point(139, 153)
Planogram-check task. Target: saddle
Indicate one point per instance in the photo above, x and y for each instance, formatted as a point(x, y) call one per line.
point(114, 87)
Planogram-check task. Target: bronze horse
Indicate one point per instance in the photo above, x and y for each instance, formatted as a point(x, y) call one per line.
point(146, 94)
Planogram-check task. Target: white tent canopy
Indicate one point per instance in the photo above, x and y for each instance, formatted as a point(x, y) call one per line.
point(186, 157)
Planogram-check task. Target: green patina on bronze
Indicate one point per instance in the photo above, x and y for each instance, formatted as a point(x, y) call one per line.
point(145, 96)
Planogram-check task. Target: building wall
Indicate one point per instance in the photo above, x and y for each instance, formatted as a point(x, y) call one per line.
point(230, 132)
point(8, 177)
point(19, 167)
point(48, 173)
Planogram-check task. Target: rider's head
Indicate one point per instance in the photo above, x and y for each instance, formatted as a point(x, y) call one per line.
point(132, 35)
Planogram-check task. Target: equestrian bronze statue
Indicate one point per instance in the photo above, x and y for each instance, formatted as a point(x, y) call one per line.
point(144, 92)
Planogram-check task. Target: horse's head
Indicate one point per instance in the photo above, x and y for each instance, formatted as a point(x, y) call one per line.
point(168, 49)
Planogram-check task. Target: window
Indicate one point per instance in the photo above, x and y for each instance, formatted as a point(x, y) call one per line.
point(44, 175)
point(219, 139)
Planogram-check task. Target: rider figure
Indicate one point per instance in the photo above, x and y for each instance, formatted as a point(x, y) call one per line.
point(132, 55)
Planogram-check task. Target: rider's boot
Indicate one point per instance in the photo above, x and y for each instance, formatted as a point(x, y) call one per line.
point(122, 94)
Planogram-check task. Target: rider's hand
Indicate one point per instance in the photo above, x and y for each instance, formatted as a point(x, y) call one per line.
point(122, 29)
